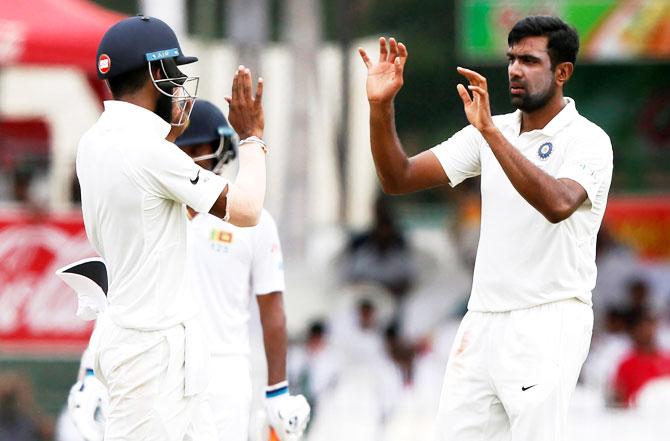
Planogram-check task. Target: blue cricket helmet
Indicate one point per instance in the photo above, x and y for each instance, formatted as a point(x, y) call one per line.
point(134, 42)
point(208, 125)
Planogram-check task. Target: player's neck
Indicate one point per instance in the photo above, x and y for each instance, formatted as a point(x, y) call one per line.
point(145, 97)
point(539, 118)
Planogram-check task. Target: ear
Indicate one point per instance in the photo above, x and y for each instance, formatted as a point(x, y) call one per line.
point(563, 72)
point(157, 72)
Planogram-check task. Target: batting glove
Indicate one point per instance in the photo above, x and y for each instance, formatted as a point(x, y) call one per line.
point(87, 405)
point(288, 414)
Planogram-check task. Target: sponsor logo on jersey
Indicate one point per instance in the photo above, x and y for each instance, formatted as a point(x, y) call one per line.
point(220, 236)
point(104, 63)
point(195, 180)
point(545, 150)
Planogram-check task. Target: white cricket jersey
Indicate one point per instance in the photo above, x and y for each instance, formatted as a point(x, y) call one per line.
point(134, 185)
point(229, 264)
point(524, 260)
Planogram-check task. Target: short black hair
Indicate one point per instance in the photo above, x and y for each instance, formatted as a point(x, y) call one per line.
point(131, 81)
point(563, 44)
point(128, 82)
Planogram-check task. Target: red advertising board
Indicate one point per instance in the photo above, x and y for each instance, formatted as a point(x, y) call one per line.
point(37, 310)
point(641, 222)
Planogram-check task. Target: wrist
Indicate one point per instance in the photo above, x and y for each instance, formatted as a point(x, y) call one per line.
point(276, 390)
point(257, 133)
point(383, 105)
point(255, 140)
point(488, 130)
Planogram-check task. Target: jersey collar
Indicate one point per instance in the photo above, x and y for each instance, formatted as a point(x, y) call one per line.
point(135, 116)
point(564, 117)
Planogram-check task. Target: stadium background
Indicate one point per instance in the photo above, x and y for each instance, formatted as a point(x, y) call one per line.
point(322, 183)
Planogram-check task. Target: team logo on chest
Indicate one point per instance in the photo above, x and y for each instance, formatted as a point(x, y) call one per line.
point(220, 236)
point(545, 150)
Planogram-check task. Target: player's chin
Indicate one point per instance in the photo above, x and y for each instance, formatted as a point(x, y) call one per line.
point(517, 99)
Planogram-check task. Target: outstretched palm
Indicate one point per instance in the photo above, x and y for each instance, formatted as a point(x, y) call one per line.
point(385, 78)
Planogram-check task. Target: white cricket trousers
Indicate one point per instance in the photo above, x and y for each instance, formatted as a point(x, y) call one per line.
point(510, 375)
point(144, 372)
point(229, 395)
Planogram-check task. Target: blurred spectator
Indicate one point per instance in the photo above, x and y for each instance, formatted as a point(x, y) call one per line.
point(608, 347)
point(381, 254)
point(20, 420)
point(637, 298)
point(400, 352)
point(617, 264)
point(644, 363)
point(21, 183)
point(314, 368)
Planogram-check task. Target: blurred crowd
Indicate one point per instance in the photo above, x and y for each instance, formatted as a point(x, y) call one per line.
point(21, 419)
point(378, 360)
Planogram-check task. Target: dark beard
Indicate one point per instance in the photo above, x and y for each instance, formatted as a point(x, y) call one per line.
point(164, 108)
point(530, 103)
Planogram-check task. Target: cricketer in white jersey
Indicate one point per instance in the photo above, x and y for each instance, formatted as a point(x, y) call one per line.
point(134, 183)
point(545, 175)
point(231, 266)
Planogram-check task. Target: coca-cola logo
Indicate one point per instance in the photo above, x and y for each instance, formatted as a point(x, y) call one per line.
point(34, 304)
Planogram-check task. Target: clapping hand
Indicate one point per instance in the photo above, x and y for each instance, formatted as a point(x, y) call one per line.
point(477, 107)
point(386, 77)
point(246, 109)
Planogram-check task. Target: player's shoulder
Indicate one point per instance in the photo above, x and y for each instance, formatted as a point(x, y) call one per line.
point(506, 119)
point(266, 220)
point(586, 131)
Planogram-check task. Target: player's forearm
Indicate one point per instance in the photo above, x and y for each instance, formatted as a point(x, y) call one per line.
point(273, 321)
point(544, 192)
point(391, 162)
point(275, 342)
point(246, 195)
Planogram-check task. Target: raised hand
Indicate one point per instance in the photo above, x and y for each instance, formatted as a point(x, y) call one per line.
point(385, 78)
point(246, 110)
point(477, 107)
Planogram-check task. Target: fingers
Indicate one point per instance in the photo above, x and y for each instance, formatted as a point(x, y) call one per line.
point(259, 91)
point(234, 94)
point(246, 84)
point(364, 56)
point(383, 54)
point(398, 67)
point(228, 98)
point(478, 90)
point(402, 53)
point(393, 50)
point(472, 76)
point(463, 93)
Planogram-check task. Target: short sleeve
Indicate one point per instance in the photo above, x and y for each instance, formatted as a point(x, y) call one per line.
point(589, 163)
point(171, 174)
point(267, 270)
point(460, 155)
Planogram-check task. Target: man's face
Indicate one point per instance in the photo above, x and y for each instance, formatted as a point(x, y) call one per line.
point(197, 150)
point(531, 78)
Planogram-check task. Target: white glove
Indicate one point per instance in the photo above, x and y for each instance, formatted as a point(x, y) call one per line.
point(288, 414)
point(87, 405)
